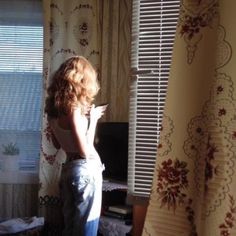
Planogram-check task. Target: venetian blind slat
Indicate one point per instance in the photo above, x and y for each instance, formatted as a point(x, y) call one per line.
point(153, 31)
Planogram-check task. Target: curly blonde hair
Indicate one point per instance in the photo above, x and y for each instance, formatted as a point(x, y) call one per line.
point(73, 85)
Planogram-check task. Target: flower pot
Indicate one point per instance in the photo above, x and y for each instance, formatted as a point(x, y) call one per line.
point(10, 163)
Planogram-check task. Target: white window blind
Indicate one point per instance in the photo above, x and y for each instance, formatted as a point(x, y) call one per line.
point(21, 57)
point(153, 31)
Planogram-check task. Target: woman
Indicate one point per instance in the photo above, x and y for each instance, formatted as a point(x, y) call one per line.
point(73, 119)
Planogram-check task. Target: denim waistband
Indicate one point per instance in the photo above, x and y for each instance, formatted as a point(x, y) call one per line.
point(95, 162)
point(74, 158)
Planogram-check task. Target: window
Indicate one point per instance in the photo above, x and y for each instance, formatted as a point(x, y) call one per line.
point(21, 56)
point(153, 31)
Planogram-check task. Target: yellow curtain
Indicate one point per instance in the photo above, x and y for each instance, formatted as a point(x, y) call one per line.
point(70, 28)
point(194, 184)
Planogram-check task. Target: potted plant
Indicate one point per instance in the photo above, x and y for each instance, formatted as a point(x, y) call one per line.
point(10, 156)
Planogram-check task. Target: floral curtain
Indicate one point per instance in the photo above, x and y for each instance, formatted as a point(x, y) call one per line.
point(70, 28)
point(194, 184)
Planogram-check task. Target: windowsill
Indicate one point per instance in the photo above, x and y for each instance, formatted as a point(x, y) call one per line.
point(18, 177)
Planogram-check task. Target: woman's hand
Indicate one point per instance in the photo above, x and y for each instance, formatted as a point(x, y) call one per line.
point(97, 112)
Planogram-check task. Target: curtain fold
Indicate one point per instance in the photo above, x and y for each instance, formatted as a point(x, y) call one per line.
point(194, 184)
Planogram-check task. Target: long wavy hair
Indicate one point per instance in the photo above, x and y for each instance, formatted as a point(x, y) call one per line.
point(73, 85)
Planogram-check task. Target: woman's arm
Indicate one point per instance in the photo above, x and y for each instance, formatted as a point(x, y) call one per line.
point(95, 114)
point(84, 136)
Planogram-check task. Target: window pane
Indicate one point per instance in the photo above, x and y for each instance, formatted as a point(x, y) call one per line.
point(21, 56)
point(21, 48)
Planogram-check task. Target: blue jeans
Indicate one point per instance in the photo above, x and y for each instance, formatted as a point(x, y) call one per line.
point(81, 193)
